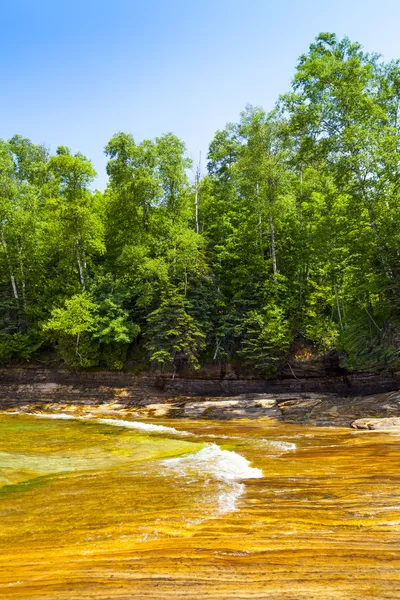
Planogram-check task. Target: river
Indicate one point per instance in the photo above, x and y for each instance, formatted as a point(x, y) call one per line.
point(109, 508)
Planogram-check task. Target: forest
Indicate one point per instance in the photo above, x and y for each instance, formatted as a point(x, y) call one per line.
point(293, 233)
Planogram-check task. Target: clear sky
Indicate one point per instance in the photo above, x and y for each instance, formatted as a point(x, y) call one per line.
point(75, 72)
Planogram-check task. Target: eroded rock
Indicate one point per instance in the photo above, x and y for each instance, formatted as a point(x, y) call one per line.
point(238, 407)
point(383, 424)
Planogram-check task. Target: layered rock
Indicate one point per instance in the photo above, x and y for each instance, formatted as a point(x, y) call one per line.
point(312, 401)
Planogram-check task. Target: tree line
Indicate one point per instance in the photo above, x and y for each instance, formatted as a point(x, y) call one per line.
point(292, 234)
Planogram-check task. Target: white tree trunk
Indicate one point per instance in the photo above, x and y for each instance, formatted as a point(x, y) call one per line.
point(260, 223)
point(80, 266)
point(12, 278)
point(273, 250)
point(196, 197)
point(21, 268)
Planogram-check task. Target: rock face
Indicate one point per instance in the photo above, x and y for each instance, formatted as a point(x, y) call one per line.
point(328, 401)
point(384, 424)
point(39, 383)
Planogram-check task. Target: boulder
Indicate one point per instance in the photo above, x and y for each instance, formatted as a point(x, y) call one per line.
point(383, 424)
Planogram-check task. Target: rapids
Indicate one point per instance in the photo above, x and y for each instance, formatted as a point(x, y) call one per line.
point(93, 505)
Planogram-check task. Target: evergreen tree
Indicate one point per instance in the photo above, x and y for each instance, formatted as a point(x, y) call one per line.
point(292, 234)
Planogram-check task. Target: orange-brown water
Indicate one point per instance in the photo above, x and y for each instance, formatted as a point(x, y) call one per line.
point(90, 510)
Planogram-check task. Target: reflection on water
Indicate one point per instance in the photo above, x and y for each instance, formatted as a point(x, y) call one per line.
point(91, 508)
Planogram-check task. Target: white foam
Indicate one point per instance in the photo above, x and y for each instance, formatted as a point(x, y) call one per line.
point(148, 427)
point(281, 446)
point(258, 442)
point(224, 466)
point(227, 499)
point(50, 415)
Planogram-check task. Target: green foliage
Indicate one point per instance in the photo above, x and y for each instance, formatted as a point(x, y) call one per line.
point(114, 331)
point(72, 327)
point(294, 231)
point(86, 331)
point(172, 337)
point(369, 339)
point(265, 338)
point(17, 346)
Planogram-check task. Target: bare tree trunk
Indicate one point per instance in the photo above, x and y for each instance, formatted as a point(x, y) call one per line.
point(80, 266)
point(196, 207)
point(12, 278)
point(260, 224)
point(196, 197)
point(84, 259)
point(21, 268)
point(217, 349)
point(338, 307)
point(272, 191)
point(373, 320)
point(78, 337)
point(273, 250)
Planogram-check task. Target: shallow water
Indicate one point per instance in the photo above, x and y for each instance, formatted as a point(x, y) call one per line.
point(98, 508)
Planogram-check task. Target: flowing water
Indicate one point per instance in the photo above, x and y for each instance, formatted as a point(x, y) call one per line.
point(109, 508)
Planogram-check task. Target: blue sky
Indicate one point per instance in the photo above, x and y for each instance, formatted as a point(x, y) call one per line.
point(75, 72)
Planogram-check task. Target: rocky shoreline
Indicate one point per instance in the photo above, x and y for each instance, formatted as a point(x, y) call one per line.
point(366, 401)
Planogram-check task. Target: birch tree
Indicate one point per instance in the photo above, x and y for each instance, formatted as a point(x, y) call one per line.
point(74, 211)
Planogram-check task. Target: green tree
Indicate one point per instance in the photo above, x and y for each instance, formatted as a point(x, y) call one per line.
point(75, 224)
point(173, 338)
point(72, 327)
point(342, 119)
